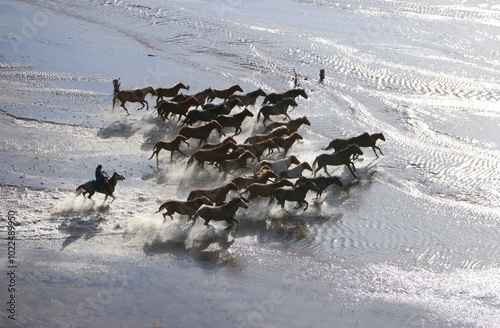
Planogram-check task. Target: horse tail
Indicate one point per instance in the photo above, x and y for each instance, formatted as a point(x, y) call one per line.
point(115, 99)
point(79, 190)
point(154, 152)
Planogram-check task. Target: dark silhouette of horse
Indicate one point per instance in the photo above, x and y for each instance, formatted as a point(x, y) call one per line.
point(342, 157)
point(321, 182)
point(297, 194)
point(181, 108)
point(250, 98)
point(137, 95)
point(280, 108)
point(201, 132)
point(88, 187)
point(216, 195)
point(200, 96)
point(292, 125)
point(363, 140)
point(234, 120)
point(224, 212)
point(224, 94)
point(275, 97)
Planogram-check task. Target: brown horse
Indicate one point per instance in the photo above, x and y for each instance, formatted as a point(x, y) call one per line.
point(169, 92)
point(292, 125)
point(262, 176)
point(238, 163)
point(170, 146)
point(180, 108)
point(216, 195)
point(342, 157)
point(266, 190)
point(278, 132)
point(296, 194)
point(279, 108)
point(201, 132)
point(200, 96)
point(88, 187)
point(258, 148)
point(224, 94)
point(287, 143)
point(137, 95)
point(183, 207)
point(210, 155)
point(274, 97)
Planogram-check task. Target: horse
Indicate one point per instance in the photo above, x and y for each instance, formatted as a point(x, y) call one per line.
point(238, 163)
point(137, 95)
point(265, 189)
point(250, 98)
point(224, 94)
point(258, 148)
point(292, 125)
point(216, 195)
point(274, 97)
point(278, 165)
point(262, 176)
point(215, 145)
point(234, 120)
point(200, 96)
point(170, 146)
point(201, 132)
point(277, 109)
point(295, 172)
point(223, 109)
point(169, 92)
point(278, 132)
point(211, 112)
point(88, 187)
point(342, 157)
point(297, 194)
point(363, 140)
point(321, 182)
point(287, 143)
point(180, 108)
point(210, 154)
point(183, 207)
point(225, 212)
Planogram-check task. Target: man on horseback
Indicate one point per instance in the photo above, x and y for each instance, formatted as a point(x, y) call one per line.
point(101, 179)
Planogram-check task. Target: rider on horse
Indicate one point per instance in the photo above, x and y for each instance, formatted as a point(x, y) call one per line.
point(101, 179)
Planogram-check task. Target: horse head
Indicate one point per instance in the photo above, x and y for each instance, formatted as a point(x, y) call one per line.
point(294, 160)
point(305, 120)
point(151, 90)
point(237, 88)
point(303, 93)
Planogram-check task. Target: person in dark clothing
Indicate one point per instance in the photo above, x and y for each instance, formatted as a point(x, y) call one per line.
point(101, 178)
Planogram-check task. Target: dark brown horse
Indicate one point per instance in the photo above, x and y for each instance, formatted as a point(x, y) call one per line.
point(176, 108)
point(224, 94)
point(363, 140)
point(200, 96)
point(297, 194)
point(137, 95)
point(201, 132)
point(224, 212)
point(342, 157)
point(250, 98)
point(88, 187)
point(292, 125)
point(234, 120)
point(216, 195)
point(280, 108)
point(274, 97)
point(169, 92)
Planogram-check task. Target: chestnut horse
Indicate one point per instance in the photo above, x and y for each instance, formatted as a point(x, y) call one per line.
point(137, 95)
point(169, 92)
point(224, 94)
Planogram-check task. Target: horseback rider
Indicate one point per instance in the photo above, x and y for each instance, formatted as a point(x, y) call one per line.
point(101, 179)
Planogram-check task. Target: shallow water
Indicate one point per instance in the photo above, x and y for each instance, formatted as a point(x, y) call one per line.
point(413, 241)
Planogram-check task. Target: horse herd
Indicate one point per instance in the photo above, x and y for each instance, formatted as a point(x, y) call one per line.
point(280, 179)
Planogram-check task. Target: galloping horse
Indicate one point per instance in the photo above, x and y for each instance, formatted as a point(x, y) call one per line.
point(274, 97)
point(137, 95)
point(88, 187)
point(277, 109)
point(250, 98)
point(224, 212)
point(342, 157)
point(224, 94)
point(363, 140)
point(170, 92)
point(234, 120)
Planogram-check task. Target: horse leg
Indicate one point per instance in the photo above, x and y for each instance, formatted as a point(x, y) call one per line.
point(375, 147)
point(351, 169)
point(123, 105)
